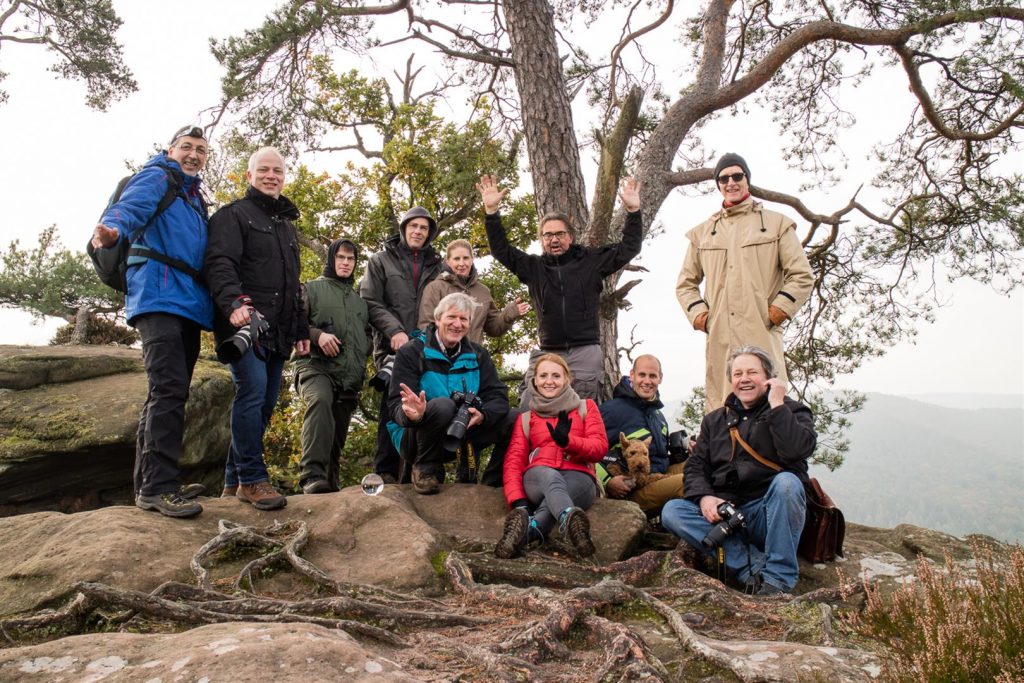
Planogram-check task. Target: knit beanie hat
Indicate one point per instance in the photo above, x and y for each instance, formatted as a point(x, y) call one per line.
point(732, 159)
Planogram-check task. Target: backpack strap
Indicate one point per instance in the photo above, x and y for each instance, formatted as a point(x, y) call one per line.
point(138, 252)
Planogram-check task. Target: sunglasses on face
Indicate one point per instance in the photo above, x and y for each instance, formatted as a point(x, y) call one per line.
point(735, 177)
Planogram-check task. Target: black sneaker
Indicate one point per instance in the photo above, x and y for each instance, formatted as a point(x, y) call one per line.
point(316, 486)
point(191, 491)
point(169, 504)
point(513, 538)
point(425, 482)
point(769, 589)
point(576, 527)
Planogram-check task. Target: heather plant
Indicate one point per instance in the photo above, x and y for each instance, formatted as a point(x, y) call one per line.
point(951, 623)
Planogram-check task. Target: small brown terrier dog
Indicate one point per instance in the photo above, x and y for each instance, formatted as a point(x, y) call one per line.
point(635, 453)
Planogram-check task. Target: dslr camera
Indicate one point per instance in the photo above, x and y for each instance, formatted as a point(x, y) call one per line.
point(234, 347)
point(732, 519)
point(457, 429)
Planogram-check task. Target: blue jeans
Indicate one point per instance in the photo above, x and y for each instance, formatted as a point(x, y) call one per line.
point(774, 523)
point(257, 385)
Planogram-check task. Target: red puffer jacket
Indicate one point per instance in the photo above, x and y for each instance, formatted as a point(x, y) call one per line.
point(587, 445)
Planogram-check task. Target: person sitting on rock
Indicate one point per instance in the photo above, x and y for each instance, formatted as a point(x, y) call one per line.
point(635, 411)
point(549, 467)
point(750, 460)
point(435, 374)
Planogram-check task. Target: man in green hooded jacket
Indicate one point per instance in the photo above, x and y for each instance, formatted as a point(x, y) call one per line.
point(329, 379)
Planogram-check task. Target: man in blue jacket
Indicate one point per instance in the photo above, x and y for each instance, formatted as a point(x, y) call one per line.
point(635, 411)
point(166, 305)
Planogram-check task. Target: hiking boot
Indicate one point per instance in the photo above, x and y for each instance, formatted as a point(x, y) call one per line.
point(261, 496)
point(169, 504)
point(513, 538)
point(425, 482)
point(191, 491)
point(769, 589)
point(229, 492)
point(319, 485)
point(576, 527)
point(388, 477)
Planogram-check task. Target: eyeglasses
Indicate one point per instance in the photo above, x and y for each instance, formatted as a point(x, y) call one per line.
point(548, 236)
point(735, 177)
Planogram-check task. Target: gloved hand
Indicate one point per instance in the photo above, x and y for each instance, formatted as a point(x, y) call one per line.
point(560, 432)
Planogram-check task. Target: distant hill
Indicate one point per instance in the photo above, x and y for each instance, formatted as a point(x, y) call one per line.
point(954, 469)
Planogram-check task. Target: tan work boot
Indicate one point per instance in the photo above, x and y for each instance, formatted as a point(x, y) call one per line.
point(261, 496)
point(229, 492)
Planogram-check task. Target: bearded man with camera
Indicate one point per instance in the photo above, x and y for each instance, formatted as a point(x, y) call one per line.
point(445, 395)
point(735, 503)
point(252, 269)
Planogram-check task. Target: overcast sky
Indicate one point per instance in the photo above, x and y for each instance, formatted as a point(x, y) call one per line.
point(62, 160)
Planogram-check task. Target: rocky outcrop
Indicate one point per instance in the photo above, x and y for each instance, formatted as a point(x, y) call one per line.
point(69, 419)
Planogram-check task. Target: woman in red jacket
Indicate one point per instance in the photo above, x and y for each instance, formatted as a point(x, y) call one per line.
point(549, 469)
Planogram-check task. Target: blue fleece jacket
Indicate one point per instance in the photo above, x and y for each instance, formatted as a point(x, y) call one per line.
point(179, 232)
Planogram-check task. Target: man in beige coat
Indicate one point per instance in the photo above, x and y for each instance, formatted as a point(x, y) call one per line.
point(755, 274)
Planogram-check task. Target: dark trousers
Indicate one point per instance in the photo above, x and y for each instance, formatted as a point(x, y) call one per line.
point(324, 427)
point(170, 348)
point(386, 460)
point(423, 444)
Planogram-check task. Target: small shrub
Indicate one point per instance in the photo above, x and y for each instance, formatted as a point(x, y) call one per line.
point(949, 626)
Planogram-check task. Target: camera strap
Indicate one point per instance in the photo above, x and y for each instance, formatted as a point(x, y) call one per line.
point(734, 435)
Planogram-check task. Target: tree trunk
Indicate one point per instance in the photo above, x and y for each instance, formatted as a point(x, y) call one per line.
point(547, 114)
point(80, 335)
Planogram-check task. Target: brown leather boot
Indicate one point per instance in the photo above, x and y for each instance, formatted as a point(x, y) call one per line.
point(229, 492)
point(261, 496)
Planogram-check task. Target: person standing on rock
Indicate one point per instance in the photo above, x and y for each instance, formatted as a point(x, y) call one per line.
point(461, 276)
point(252, 267)
point(745, 478)
point(392, 287)
point(755, 274)
point(565, 283)
point(330, 378)
point(167, 306)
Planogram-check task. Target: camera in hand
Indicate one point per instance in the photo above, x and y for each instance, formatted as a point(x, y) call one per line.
point(457, 429)
point(678, 450)
point(732, 519)
point(234, 347)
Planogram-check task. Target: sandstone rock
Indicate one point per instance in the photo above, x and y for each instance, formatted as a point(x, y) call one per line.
point(219, 652)
point(69, 420)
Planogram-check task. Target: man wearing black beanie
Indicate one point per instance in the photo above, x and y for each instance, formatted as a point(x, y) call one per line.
point(755, 276)
point(330, 377)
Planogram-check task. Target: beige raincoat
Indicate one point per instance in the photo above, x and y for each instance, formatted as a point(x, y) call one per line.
point(748, 258)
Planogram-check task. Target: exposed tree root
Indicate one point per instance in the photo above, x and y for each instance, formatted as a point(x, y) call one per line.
point(505, 620)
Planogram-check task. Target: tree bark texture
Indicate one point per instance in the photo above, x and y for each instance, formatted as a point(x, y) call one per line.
point(546, 111)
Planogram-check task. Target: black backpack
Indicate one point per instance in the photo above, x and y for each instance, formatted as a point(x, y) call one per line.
point(111, 265)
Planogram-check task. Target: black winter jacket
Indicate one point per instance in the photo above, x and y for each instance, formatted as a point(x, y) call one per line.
point(387, 289)
point(784, 435)
point(566, 289)
point(637, 419)
point(253, 251)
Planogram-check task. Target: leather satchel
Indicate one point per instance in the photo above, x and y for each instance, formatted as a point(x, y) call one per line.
point(824, 526)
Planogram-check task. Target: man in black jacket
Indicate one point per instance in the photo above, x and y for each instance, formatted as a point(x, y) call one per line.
point(252, 269)
point(565, 282)
point(751, 455)
point(392, 287)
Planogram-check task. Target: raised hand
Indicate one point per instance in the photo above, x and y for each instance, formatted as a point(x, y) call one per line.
point(490, 193)
point(629, 193)
point(412, 405)
point(560, 432)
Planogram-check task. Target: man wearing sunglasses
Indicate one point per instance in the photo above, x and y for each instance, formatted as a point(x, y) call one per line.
point(755, 274)
point(565, 283)
point(166, 303)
